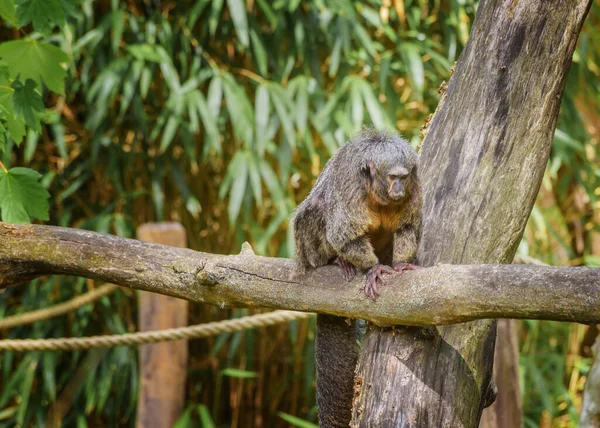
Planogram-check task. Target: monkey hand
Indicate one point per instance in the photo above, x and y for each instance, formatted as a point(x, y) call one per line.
point(402, 266)
point(374, 275)
point(347, 268)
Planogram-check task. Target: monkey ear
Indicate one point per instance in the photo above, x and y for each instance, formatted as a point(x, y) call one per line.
point(368, 170)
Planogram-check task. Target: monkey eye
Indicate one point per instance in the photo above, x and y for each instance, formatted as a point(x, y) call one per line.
point(394, 177)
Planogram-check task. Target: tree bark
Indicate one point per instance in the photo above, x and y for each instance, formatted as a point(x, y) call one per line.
point(507, 411)
point(443, 294)
point(481, 164)
point(163, 366)
point(590, 407)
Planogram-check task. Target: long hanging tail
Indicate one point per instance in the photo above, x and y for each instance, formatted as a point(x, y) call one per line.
point(336, 356)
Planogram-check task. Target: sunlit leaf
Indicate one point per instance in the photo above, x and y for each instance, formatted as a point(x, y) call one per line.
point(41, 62)
point(8, 11)
point(238, 373)
point(238, 14)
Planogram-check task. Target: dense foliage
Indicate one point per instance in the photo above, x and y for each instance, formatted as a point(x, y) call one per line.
point(219, 114)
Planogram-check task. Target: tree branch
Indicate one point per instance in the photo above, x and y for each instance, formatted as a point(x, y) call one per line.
point(443, 294)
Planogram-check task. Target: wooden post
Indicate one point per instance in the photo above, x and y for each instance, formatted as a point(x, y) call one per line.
point(163, 366)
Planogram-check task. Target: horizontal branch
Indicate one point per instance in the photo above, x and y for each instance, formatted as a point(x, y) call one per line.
point(443, 294)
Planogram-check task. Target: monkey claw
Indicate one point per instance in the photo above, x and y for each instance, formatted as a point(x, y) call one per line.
point(373, 275)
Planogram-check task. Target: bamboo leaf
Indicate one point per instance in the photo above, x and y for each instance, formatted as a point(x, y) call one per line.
point(240, 20)
point(263, 112)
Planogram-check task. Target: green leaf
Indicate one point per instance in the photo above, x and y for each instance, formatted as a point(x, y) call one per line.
point(334, 59)
point(22, 196)
point(145, 52)
point(280, 103)
point(15, 124)
point(8, 11)
point(237, 10)
point(255, 182)
point(41, 62)
point(25, 391)
point(185, 420)
point(412, 58)
point(215, 12)
point(296, 421)
point(44, 14)
point(260, 54)
point(238, 373)
point(238, 189)
point(3, 137)
point(27, 101)
point(262, 114)
point(116, 29)
point(205, 417)
point(363, 37)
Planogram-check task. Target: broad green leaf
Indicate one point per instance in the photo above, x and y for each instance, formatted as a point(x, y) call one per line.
point(44, 14)
point(22, 196)
point(15, 124)
point(238, 373)
point(3, 136)
point(237, 9)
point(296, 421)
point(41, 62)
point(8, 11)
point(27, 102)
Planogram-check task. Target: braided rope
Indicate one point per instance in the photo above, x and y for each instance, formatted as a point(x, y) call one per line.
point(191, 332)
point(61, 308)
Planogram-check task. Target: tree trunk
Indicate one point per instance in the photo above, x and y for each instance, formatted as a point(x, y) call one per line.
point(590, 407)
point(481, 165)
point(163, 366)
point(507, 411)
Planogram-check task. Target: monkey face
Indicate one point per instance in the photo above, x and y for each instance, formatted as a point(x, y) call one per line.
point(387, 185)
point(396, 186)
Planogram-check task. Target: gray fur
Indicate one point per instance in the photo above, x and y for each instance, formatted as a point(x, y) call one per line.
point(336, 220)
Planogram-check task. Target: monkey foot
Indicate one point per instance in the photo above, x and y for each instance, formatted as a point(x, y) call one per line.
point(401, 266)
point(374, 275)
point(347, 268)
